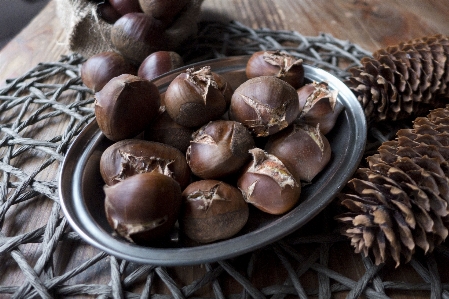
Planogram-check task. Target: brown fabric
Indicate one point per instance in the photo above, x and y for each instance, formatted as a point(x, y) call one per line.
point(87, 34)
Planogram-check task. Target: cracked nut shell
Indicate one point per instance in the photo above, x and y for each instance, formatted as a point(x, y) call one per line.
point(212, 210)
point(143, 208)
point(276, 63)
point(129, 157)
point(265, 105)
point(219, 149)
point(193, 98)
point(268, 185)
point(303, 149)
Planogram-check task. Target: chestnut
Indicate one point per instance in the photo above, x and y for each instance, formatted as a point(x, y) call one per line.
point(137, 35)
point(276, 63)
point(125, 6)
point(219, 149)
point(267, 184)
point(165, 10)
point(129, 157)
point(143, 208)
point(164, 130)
point(265, 105)
point(107, 12)
point(212, 210)
point(159, 63)
point(193, 98)
point(125, 106)
point(319, 106)
point(98, 69)
point(303, 149)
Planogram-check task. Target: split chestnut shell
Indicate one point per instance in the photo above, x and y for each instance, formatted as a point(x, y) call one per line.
point(303, 149)
point(219, 149)
point(212, 210)
point(143, 208)
point(129, 157)
point(265, 105)
point(268, 185)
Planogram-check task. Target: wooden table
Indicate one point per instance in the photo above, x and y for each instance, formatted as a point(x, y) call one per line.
point(371, 24)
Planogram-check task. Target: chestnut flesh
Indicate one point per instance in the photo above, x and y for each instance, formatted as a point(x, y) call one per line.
point(212, 210)
point(303, 149)
point(143, 209)
point(265, 105)
point(219, 149)
point(268, 185)
point(129, 157)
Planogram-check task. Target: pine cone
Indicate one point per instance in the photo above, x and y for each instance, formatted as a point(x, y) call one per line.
point(401, 200)
point(403, 81)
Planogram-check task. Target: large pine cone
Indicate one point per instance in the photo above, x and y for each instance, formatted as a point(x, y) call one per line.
point(403, 81)
point(401, 200)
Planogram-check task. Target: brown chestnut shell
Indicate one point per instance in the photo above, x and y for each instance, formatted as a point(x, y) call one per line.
point(276, 63)
point(319, 106)
point(129, 157)
point(219, 149)
point(100, 68)
point(137, 35)
point(125, 106)
point(193, 98)
point(268, 185)
point(303, 149)
point(158, 63)
point(212, 210)
point(265, 105)
point(143, 208)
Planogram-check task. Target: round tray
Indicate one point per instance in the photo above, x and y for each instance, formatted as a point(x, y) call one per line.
point(82, 196)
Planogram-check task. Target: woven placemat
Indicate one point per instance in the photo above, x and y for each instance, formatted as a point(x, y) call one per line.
point(51, 95)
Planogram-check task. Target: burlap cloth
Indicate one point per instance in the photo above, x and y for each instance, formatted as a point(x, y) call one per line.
point(88, 34)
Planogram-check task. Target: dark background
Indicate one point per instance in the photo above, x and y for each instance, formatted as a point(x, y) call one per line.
point(15, 15)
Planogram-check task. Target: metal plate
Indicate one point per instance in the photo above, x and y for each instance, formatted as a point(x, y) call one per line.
point(82, 197)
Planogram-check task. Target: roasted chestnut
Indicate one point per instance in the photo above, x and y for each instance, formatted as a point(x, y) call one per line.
point(107, 12)
point(303, 149)
point(219, 149)
point(276, 63)
point(319, 106)
point(137, 35)
point(126, 6)
point(265, 105)
point(163, 129)
point(97, 70)
point(125, 106)
point(143, 208)
point(165, 10)
point(193, 98)
point(159, 63)
point(129, 157)
point(268, 185)
point(212, 210)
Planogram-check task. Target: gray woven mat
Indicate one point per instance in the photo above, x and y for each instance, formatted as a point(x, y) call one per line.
point(52, 94)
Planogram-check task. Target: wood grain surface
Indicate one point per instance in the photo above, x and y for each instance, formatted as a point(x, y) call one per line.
point(371, 24)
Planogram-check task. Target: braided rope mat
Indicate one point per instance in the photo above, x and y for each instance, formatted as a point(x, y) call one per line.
point(51, 98)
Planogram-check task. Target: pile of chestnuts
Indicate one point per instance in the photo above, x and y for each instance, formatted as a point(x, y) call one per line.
point(199, 155)
point(142, 27)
